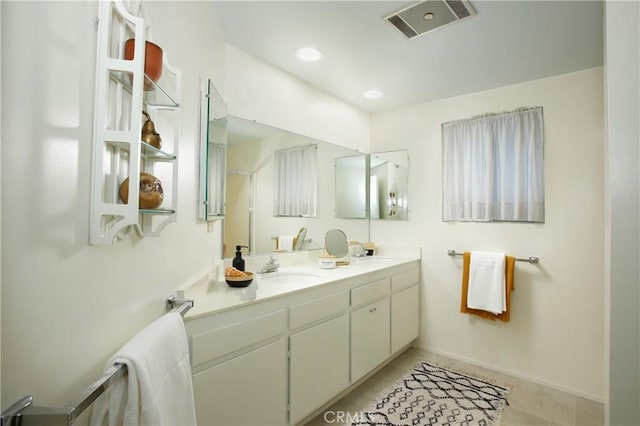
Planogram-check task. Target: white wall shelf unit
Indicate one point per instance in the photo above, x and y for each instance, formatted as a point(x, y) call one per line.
point(123, 91)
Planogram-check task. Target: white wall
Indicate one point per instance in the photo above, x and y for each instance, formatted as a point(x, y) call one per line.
point(257, 91)
point(622, 59)
point(556, 332)
point(68, 306)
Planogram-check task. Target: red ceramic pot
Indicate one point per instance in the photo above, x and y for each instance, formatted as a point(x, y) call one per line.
point(152, 60)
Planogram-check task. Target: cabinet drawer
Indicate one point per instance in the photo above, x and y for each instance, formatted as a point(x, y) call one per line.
point(318, 309)
point(404, 279)
point(212, 344)
point(370, 292)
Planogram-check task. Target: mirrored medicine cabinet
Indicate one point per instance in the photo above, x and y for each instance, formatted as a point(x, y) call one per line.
point(388, 185)
point(373, 186)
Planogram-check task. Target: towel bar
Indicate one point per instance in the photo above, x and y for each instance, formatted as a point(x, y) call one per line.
point(180, 306)
point(306, 240)
point(23, 413)
point(531, 259)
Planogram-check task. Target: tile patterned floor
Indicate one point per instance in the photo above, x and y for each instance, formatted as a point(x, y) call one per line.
point(530, 404)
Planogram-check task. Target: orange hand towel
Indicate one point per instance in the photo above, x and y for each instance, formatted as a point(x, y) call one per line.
point(509, 267)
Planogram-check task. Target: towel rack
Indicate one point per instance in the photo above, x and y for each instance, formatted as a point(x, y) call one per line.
point(531, 259)
point(23, 413)
point(306, 240)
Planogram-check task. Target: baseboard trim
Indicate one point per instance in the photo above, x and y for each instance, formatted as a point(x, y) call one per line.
point(498, 369)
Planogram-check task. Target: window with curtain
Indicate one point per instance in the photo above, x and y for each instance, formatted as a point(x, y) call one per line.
point(296, 181)
point(493, 168)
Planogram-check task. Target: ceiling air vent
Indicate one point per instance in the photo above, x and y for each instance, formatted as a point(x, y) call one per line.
point(429, 15)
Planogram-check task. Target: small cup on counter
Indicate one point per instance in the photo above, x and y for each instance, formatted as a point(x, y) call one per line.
point(369, 247)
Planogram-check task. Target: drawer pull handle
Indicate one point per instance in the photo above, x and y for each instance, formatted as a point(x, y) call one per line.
point(372, 310)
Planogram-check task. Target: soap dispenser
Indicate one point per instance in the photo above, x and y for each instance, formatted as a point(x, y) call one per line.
point(238, 261)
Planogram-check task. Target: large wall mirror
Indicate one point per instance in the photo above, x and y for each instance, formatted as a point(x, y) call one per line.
point(251, 218)
point(213, 153)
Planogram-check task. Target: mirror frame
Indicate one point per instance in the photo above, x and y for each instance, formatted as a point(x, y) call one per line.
point(212, 107)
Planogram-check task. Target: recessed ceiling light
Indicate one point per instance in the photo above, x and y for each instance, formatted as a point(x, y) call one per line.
point(428, 16)
point(308, 54)
point(372, 94)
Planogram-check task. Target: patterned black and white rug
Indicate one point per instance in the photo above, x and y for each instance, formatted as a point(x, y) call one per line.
point(432, 395)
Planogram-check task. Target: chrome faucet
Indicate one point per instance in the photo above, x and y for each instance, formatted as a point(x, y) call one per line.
point(271, 266)
point(359, 251)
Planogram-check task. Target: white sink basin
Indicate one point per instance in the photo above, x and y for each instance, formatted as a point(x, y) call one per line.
point(372, 262)
point(373, 259)
point(287, 277)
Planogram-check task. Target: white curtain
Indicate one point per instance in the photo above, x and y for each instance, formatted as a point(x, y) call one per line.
point(296, 181)
point(493, 168)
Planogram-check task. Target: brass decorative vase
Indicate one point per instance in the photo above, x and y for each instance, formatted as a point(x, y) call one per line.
point(151, 194)
point(149, 134)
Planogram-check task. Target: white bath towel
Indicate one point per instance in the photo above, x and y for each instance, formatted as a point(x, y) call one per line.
point(285, 242)
point(487, 287)
point(157, 389)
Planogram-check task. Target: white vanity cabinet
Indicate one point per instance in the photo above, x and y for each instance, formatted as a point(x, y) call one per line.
point(246, 388)
point(319, 354)
point(280, 360)
point(370, 327)
point(405, 308)
point(239, 365)
point(388, 321)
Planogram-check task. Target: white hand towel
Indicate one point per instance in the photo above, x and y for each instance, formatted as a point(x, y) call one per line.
point(285, 242)
point(487, 287)
point(157, 389)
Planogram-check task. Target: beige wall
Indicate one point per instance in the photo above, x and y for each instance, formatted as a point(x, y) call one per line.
point(556, 333)
point(622, 298)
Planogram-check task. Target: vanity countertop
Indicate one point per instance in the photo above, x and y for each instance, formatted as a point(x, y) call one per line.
point(297, 272)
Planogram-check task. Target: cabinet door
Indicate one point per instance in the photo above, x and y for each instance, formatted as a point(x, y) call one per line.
point(405, 317)
point(248, 390)
point(319, 366)
point(370, 337)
